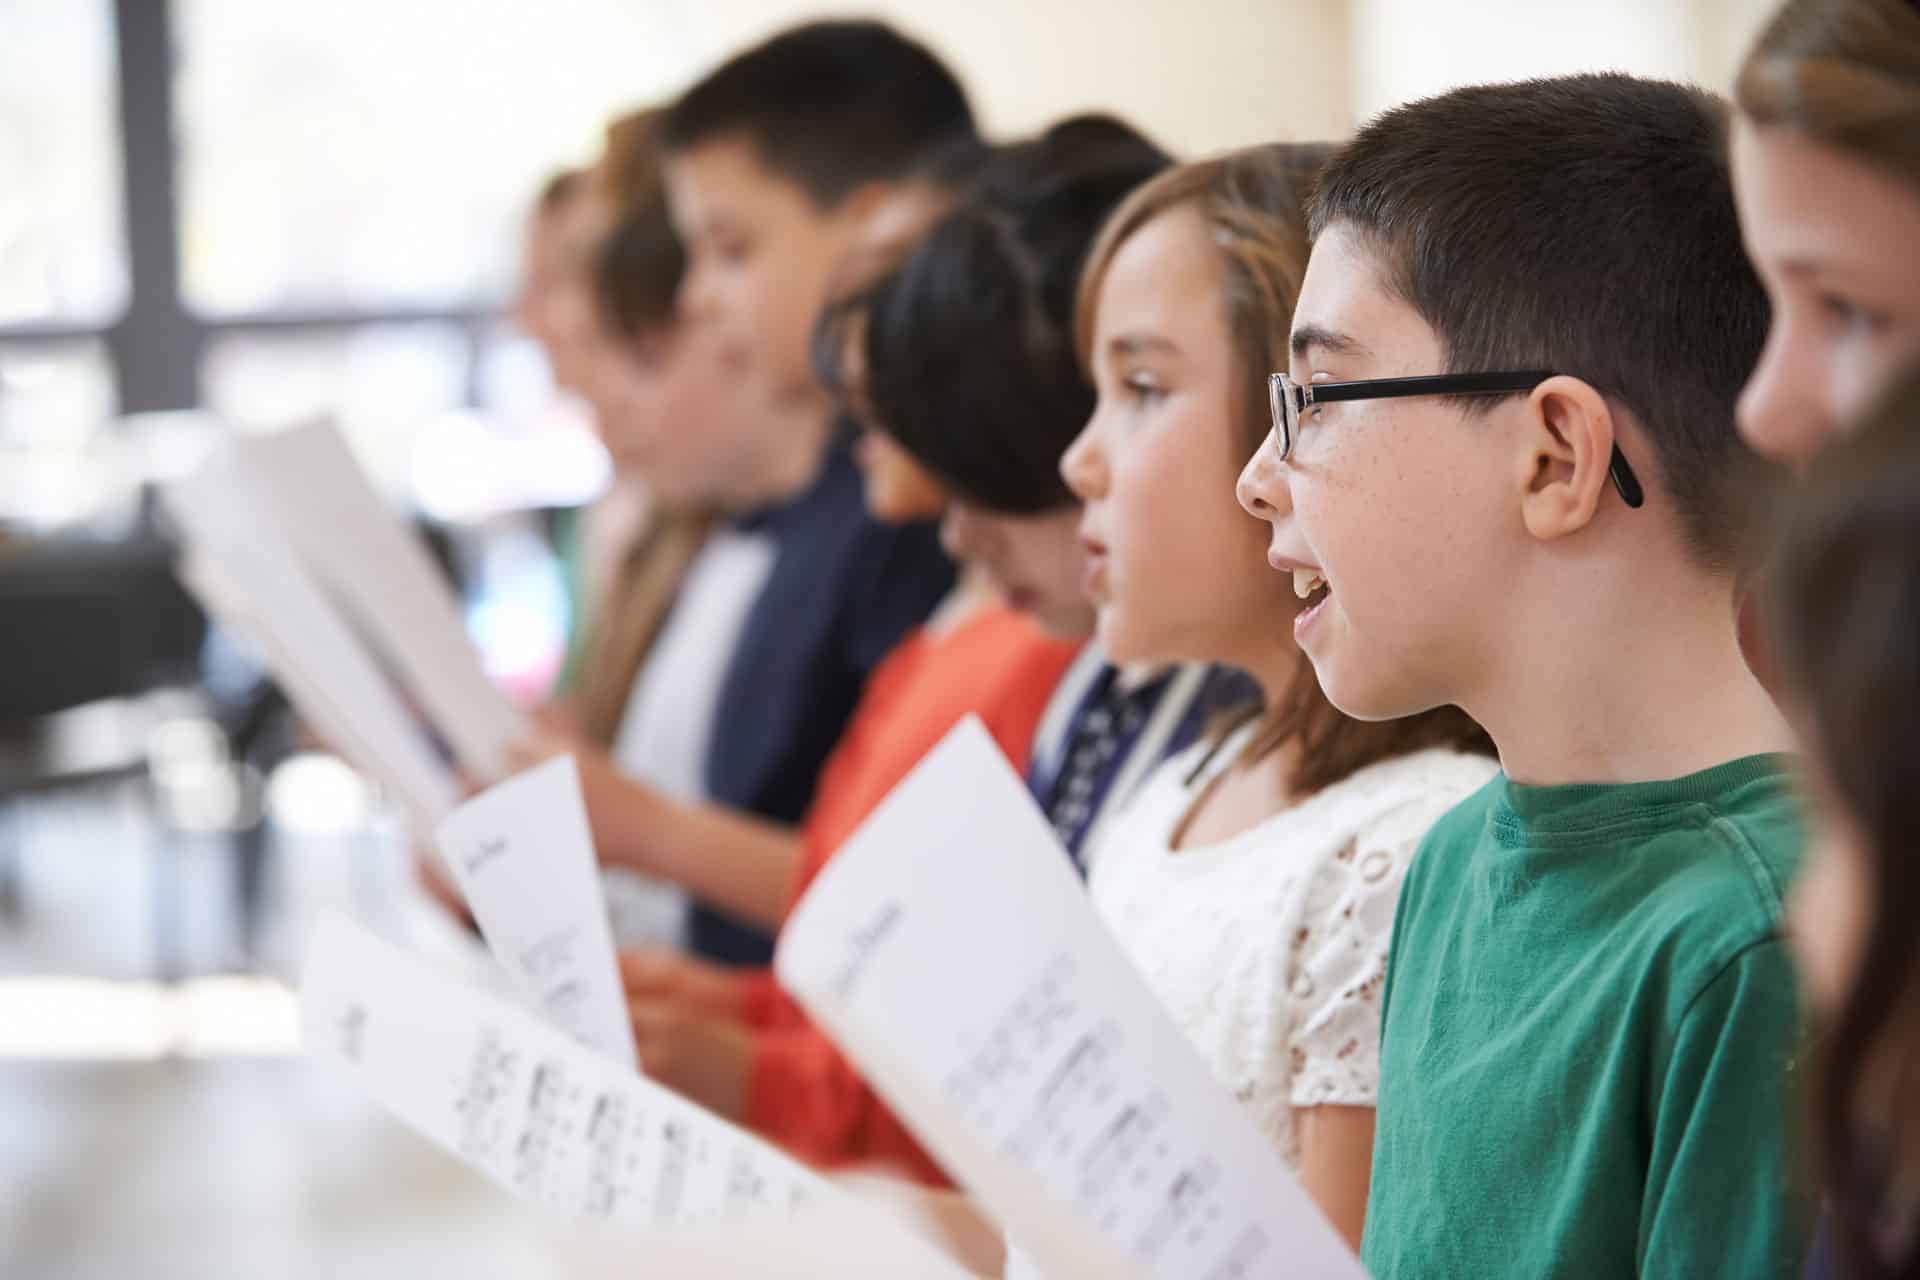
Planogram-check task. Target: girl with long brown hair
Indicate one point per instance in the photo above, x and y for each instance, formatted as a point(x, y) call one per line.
point(1846, 594)
point(1254, 879)
point(1826, 164)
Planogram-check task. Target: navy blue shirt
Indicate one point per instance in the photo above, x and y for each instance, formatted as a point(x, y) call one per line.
point(1113, 734)
point(843, 592)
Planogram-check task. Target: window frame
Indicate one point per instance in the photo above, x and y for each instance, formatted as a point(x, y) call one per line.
point(156, 346)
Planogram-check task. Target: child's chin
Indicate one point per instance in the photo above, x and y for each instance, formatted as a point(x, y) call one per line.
point(1354, 693)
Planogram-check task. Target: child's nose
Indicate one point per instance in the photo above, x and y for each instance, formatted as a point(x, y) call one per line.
point(696, 293)
point(1262, 488)
point(1777, 415)
point(1081, 465)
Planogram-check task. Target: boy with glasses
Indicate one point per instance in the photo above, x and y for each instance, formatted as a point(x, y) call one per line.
point(1504, 471)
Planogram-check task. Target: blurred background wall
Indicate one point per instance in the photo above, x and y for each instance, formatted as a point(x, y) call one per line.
point(321, 200)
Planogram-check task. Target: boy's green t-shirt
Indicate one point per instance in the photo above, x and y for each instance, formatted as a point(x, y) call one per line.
point(1590, 1030)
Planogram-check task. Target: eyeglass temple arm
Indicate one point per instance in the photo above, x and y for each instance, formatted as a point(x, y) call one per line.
point(1448, 384)
point(1465, 384)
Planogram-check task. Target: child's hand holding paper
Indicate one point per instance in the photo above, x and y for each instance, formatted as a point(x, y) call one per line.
point(657, 974)
point(700, 1056)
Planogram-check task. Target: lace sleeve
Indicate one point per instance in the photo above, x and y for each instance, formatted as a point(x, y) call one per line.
point(1337, 961)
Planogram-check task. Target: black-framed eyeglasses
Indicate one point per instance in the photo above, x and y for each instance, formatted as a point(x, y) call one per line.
point(1290, 400)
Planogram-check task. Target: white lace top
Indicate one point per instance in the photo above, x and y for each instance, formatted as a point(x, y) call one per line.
point(1270, 948)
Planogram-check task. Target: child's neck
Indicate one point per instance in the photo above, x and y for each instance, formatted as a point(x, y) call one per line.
point(971, 595)
point(1633, 683)
point(1249, 791)
point(791, 465)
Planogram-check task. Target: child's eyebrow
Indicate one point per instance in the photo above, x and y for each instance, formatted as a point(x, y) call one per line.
point(1311, 336)
point(1133, 344)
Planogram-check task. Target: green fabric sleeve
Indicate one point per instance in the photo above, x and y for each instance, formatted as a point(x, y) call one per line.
point(1720, 1192)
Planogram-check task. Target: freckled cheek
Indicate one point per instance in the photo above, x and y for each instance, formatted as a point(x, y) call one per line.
point(1361, 523)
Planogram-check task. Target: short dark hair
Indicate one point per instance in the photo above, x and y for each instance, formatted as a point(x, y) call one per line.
point(970, 358)
point(1584, 225)
point(830, 106)
point(1844, 589)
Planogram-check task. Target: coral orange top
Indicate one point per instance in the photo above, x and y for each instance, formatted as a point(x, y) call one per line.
point(995, 664)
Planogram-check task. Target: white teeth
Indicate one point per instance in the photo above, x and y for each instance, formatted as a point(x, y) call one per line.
point(1306, 582)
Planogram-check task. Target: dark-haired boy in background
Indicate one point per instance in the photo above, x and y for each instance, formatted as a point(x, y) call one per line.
point(774, 163)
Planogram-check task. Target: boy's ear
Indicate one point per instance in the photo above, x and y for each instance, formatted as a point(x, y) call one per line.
point(1566, 446)
point(859, 206)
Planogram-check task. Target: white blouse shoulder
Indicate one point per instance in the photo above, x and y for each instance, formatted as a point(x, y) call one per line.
point(1270, 948)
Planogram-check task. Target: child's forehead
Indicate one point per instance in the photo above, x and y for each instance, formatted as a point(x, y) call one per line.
point(1168, 260)
point(1349, 308)
point(729, 172)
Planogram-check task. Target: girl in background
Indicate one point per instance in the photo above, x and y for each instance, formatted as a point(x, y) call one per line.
point(1826, 168)
point(1845, 591)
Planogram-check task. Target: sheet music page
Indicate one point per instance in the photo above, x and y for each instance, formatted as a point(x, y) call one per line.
point(242, 569)
point(524, 1104)
point(522, 854)
point(563, 1127)
point(954, 955)
point(368, 560)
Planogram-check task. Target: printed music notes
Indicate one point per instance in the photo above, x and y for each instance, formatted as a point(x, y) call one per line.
point(523, 1103)
point(565, 1128)
point(955, 957)
point(522, 854)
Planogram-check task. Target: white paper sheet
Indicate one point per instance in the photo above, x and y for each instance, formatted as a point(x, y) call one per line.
point(242, 569)
point(523, 1103)
point(953, 954)
point(522, 854)
point(383, 578)
point(563, 1127)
